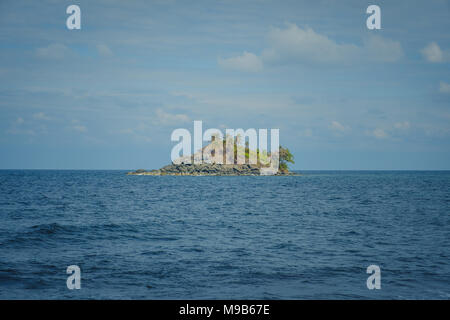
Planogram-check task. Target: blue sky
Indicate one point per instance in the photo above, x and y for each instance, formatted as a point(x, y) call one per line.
point(108, 96)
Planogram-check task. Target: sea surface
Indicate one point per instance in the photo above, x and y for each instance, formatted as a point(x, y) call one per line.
point(148, 237)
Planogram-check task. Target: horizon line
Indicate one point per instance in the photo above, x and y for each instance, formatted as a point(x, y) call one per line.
point(68, 169)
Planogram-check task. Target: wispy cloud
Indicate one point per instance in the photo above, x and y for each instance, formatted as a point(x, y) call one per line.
point(433, 53)
point(104, 50)
point(307, 133)
point(80, 128)
point(20, 127)
point(378, 133)
point(444, 87)
point(248, 62)
point(54, 51)
point(166, 118)
point(402, 125)
point(41, 116)
point(339, 128)
point(141, 133)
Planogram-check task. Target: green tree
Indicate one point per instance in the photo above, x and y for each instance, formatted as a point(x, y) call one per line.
point(285, 157)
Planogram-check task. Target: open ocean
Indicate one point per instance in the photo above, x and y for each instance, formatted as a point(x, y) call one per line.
point(163, 237)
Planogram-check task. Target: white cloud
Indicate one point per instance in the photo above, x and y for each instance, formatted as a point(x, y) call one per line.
point(338, 127)
point(402, 125)
point(53, 51)
point(19, 131)
point(104, 50)
point(163, 117)
point(379, 133)
point(444, 87)
point(295, 44)
point(140, 133)
point(299, 44)
point(432, 130)
point(19, 127)
point(248, 62)
point(307, 133)
point(80, 128)
point(41, 116)
point(433, 53)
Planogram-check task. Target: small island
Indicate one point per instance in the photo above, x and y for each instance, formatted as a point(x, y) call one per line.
point(214, 163)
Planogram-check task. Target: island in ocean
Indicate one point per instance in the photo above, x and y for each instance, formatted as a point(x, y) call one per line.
point(214, 162)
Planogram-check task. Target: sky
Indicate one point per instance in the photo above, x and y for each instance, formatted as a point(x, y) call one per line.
point(109, 95)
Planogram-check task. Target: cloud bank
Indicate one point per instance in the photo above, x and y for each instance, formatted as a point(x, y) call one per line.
point(294, 45)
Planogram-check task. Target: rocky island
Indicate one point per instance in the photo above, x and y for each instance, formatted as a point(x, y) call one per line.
point(206, 169)
point(214, 162)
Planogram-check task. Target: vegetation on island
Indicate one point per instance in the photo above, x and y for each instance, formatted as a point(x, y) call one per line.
point(285, 156)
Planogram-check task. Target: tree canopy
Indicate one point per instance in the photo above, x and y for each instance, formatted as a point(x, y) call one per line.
point(285, 157)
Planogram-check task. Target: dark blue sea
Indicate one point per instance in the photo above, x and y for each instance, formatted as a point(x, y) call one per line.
point(299, 237)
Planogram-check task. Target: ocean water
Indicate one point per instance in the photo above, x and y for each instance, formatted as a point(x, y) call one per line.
point(302, 237)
